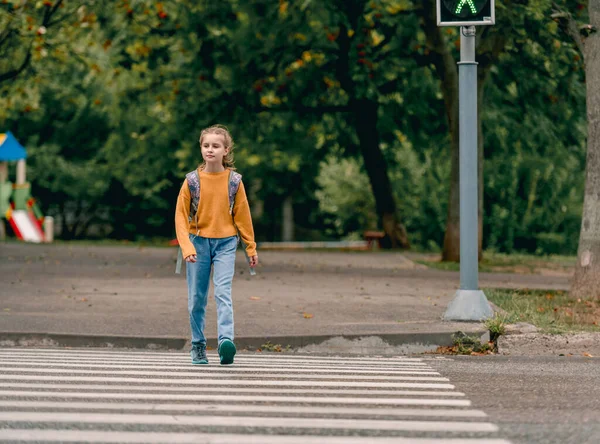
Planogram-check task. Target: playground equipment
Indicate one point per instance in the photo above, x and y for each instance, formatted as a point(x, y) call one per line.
point(16, 204)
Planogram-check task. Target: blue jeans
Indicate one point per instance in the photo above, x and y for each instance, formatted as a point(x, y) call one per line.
point(219, 254)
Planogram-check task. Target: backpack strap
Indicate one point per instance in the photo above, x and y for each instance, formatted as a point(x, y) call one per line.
point(234, 185)
point(193, 180)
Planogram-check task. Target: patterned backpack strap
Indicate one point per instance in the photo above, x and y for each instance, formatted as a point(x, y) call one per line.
point(234, 184)
point(193, 180)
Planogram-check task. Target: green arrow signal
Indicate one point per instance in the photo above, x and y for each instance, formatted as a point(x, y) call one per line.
point(462, 4)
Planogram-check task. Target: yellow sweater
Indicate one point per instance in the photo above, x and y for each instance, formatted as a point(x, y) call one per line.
point(213, 219)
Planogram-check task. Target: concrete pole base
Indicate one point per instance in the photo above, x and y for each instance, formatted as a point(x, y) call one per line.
point(468, 305)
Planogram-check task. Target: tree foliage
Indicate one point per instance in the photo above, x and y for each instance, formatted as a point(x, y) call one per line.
point(340, 105)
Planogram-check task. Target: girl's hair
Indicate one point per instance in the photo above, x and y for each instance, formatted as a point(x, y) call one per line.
point(227, 142)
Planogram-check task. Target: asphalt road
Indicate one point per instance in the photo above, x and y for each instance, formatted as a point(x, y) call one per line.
point(91, 290)
point(542, 400)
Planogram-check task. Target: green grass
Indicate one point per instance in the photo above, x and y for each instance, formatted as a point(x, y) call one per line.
point(502, 262)
point(550, 311)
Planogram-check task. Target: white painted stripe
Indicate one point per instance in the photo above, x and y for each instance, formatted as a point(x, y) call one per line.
point(39, 435)
point(219, 368)
point(238, 398)
point(199, 371)
point(245, 421)
point(180, 360)
point(241, 355)
point(140, 352)
point(214, 358)
point(273, 409)
point(147, 388)
point(203, 389)
point(239, 359)
point(229, 382)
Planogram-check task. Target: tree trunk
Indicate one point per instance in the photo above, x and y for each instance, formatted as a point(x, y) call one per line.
point(365, 112)
point(451, 250)
point(447, 70)
point(586, 282)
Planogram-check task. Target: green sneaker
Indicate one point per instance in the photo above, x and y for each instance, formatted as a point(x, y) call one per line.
point(198, 354)
point(226, 352)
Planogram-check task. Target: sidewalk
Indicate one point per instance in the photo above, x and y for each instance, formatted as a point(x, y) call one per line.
point(130, 297)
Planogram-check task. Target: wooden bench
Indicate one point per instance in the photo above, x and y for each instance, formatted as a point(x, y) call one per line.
point(373, 238)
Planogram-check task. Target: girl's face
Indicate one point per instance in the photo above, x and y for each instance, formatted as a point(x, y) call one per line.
point(213, 149)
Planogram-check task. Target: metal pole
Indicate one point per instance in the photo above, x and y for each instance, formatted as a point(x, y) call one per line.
point(467, 118)
point(21, 168)
point(469, 303)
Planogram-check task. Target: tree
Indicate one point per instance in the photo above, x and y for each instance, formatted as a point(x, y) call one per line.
point(32, 31)
point(586, 282)
point(337, 62)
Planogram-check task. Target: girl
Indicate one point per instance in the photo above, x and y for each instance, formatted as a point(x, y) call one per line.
point(208, 217)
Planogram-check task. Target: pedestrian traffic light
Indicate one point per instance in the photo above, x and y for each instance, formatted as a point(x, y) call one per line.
point(465, 12)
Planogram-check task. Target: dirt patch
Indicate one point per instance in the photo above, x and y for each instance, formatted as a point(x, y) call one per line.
point(536, 344)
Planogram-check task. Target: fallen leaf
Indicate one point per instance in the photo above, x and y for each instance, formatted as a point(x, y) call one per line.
point(307, 315)
point(7, 309)
point(587, 355)
point(254, 298)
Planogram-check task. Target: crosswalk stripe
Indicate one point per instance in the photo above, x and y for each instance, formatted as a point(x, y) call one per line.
point(225, 374)
point(81, 395)
point(203, 389)
point(244, 363)
point(253, 369)
point(266, 355)
point(39, 435)
point(241, 357)
point(229, 382)
point(238, 398)
point(244, 421)
point(187, 363)
point(278, 409)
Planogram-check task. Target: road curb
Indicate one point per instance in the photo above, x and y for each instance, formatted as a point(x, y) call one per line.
point(381, 343)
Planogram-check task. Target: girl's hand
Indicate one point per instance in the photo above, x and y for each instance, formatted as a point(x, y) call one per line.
point(191, 258)
point(253, 261)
